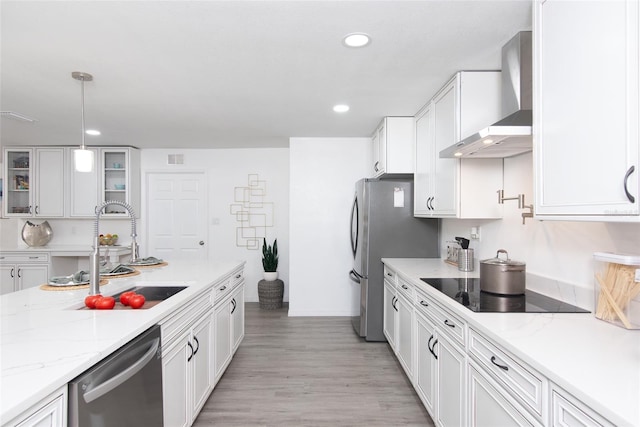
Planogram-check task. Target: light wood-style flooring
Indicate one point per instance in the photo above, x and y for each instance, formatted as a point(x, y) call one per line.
point(310, 371)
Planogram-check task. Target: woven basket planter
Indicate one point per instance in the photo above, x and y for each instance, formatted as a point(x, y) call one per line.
point(270, 294)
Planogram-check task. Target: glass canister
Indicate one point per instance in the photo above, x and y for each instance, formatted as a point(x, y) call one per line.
point(617, 289)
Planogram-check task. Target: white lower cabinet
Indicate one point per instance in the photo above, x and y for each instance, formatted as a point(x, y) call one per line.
point(222, 322)
point(237, 317)
point(440, 370)
point(199, 341)
point(186, 367)
point(451, 384)
point(426, 363)
point(404, 334)
point(389, 313)
point(50, 412)
point(398, 321)
point(22, 271)
point(488, 407)
point(229, 327)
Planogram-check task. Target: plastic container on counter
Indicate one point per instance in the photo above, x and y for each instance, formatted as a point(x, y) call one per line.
point(617, 289)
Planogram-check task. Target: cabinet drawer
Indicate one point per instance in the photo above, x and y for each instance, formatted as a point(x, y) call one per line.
point(24, 258)
point(221, 289)
point(452, 326)
point(564, 412)
point(407, 289)
point(390, 275)
point(172, 326)
point(526, 385)
point(237, 277)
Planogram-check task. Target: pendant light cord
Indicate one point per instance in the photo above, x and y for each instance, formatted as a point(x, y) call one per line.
point(82, 110)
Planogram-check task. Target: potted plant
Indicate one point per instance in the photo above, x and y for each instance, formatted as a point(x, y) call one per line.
point(271, 289)
point(270, 260)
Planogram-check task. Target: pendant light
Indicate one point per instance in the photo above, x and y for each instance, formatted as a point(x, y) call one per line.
point(82, 158)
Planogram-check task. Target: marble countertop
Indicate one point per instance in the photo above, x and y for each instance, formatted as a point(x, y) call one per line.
point(595, 361)
point(45, 342)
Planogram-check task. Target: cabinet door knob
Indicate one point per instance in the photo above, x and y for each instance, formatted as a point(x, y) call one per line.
point(201, 242)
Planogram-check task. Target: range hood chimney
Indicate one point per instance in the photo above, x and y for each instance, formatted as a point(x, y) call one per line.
point(511, 135)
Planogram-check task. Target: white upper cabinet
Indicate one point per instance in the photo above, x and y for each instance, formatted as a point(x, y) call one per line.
point(393, 146)
point(83, 187)
point(34, 182)
point(457, 188)
point(585, 115)
point(120, 179)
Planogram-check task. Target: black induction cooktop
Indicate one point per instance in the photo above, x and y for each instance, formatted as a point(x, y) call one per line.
point(467, 292)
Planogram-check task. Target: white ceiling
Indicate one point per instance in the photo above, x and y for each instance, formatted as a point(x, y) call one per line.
point(214, 74)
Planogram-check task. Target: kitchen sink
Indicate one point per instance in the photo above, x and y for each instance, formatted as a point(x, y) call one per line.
point(153, 296)
point(153, 293)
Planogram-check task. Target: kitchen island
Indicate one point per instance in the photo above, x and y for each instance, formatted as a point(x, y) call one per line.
point(574, 359)
point(47, 339)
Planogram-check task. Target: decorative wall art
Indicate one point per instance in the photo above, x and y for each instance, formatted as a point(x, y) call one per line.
point(252, 212)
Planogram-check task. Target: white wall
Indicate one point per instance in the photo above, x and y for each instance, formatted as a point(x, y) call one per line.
point(226, 169)
point(323, 175)
point(559, 250)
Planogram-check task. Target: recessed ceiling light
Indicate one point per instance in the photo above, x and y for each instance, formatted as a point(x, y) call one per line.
point(356, 40)
point(341, 108)
point(92, 132)
point(488, 141)
point(457, 154)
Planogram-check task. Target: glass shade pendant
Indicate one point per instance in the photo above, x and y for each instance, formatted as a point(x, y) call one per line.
point(82, 158)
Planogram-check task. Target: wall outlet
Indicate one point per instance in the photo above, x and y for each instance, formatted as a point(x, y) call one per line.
point(475, 233)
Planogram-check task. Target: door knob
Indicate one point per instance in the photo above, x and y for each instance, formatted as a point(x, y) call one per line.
point(201, 242)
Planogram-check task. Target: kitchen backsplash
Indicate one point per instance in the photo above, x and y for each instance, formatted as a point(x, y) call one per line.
point(558, 253)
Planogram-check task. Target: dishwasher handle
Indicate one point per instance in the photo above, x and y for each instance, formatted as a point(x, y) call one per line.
point(100, 390)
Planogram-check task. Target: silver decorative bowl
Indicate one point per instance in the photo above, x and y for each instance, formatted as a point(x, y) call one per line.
point(36, 234)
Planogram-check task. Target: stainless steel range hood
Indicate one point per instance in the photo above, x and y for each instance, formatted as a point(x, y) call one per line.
point(511, 135)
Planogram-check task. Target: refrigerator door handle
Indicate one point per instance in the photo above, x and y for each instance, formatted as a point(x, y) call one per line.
point(353, 275)
point(355, 226)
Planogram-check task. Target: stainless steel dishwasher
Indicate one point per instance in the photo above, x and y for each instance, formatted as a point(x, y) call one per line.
point(125, 389)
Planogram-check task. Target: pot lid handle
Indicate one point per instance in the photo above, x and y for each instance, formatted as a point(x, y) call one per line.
point(502, 251)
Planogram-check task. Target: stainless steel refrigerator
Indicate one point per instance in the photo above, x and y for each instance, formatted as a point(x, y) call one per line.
point(383, 226)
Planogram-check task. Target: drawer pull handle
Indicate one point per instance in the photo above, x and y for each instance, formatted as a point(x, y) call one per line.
point(503, 367)
point(422, 302)
point(33, 257)
point(389, 274)
point(238, 276)
point(223, 288)
point(404, 287)
point(449, 324)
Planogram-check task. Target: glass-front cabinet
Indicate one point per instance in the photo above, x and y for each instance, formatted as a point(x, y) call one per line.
point(120, 178)
point(17, 193)
point(34, 182)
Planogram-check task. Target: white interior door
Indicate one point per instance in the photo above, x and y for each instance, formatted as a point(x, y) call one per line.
point(177, 215)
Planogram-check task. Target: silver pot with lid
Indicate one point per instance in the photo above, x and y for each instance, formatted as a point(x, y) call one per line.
point(502, 276)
